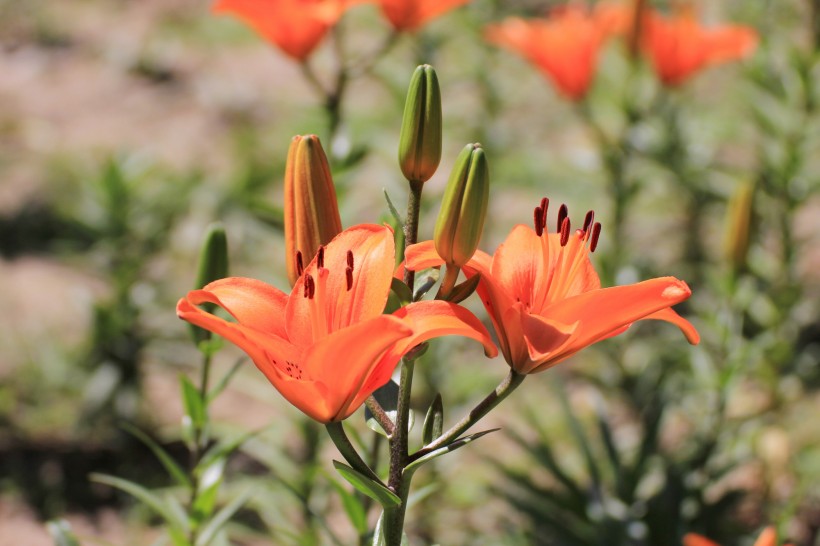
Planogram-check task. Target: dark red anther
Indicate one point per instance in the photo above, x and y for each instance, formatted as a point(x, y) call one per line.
point(320, 257)
point(545, 203)
point(565, 226)
point(593, 239)
point(350, 259)
point(563, 212)
point(310, 287)
point(300, 266)
point(349, 277)
point(588, 219)
point(538, 221)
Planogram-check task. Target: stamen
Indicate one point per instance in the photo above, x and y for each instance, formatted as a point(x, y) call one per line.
point(320, 257)
point(310, 287)
point(565, 226)
point(349, 278)
point(563, 212)
point(593, 239)
point(588, 221)
point(538, 220)
point(300, 266)
point(350, 259)
point(545, 203)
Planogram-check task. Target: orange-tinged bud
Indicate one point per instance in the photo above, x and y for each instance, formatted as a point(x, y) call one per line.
point(461, 218)
point(420, 141)
point(311, 211)
point(738, 225)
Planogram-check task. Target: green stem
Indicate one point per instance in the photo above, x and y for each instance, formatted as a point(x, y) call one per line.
point(502, 391)
point(411, 225)
point(449, 282)
point(198, 447)
point(337, 434)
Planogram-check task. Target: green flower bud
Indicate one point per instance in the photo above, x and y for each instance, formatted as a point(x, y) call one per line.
point(738, 225)
point(420, 141)
point(461, 218)
point(213, 265)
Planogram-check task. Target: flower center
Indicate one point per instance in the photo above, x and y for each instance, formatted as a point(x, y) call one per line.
point(315, 290)
point(562, 270)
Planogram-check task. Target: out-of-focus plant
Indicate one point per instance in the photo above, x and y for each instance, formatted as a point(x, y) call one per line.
point(189, 508)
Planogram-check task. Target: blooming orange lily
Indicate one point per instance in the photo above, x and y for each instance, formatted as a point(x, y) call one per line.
point(563, 46)
point(409, 15)
point(679, 46)
point(767, 538)
point(545, 298)
point(295, 26)
point(327, 346)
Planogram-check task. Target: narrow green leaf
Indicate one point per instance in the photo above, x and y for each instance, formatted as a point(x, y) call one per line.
point(352, 507)
point(226, 379)
point(433, 421)
point(61, 533)
point(464, 290)
point(461, 442)
point(174, 470)
point(192, 402)
point(426, 280)
point(398, 297)
point(421, 494)
point(378, 534)
point(372, 489)
point(210, 479)
point(393, 210)
point(221, 518)
point(145, 496)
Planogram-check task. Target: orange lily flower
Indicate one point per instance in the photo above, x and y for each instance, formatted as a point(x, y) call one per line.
point(294, 26)
point(409, 15)
point(545, 298)
point(679, 46)
point(767, 538)
point(563, 46)
point(326, 347)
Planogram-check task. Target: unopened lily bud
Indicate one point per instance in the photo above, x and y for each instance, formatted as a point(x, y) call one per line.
point(311, 211)
point(420, 141)
point(213, 265)
point(461, 218)
point(738, 225)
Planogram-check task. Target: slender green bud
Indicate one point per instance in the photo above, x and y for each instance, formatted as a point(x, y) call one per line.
point(213, 265)
point(461, 218)
point(311, 211)
point(420, 142)
point(738, 225)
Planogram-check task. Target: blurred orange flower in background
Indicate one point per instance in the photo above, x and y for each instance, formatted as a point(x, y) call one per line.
point(679, 46)
point(327, 346)
point(294, 26)
point(409, 15)
point(545, 299)
point(767, 538)
point(564, 46)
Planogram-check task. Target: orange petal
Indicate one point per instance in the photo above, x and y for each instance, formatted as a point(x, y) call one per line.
point(669, 315)
point(251, 302)
point(767, 538)
point(544, 338)
point(373, 258)
point(276, 357)
point(601, 312)
point(349, 363)
point(421, 256)
point(730, 43)
point(289, 24)
point(409, 15)
point(431, 319)
point(691, 539)
point(521, 264)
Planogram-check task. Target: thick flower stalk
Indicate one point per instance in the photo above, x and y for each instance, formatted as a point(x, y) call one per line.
point(545, 299)
point(327, 346)
point(410, 15)
point(294, 26)
point(311, 210)
point(679, 46)
point(564, 46)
